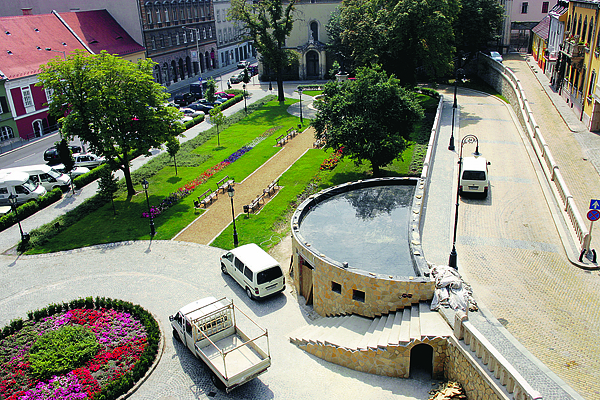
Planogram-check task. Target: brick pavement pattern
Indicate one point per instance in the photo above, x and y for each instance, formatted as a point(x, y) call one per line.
point(510, 252)
point(218, 215)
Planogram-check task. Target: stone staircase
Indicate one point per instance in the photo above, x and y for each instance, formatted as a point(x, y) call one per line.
point(347, 339)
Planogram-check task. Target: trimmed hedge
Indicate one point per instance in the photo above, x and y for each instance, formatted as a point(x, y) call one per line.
point(91, 176)
point(121, 385)
point(31, 207)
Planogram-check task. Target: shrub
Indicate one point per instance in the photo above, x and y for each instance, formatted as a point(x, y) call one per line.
point(60, 351)
point(30, 208)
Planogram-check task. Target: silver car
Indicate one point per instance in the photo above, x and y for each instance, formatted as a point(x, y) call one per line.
point(88, 160)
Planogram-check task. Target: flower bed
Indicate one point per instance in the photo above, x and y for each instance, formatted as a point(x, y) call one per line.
point(125, 342)
point(331, 162)
point(189, 187)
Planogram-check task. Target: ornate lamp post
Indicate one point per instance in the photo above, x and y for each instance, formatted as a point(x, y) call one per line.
point(231, 193)
point(466, 139)
point(197, 49)
point(300, 91)
point(13, 203)
point(245, 108)
point(145, 185)
point(458, 73)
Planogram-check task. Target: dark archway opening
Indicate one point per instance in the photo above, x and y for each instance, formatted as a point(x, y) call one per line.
point(421, 361)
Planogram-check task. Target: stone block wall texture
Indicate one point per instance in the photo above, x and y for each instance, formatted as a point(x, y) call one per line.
point(462, 368)
point(389, 361)
point(382, 295)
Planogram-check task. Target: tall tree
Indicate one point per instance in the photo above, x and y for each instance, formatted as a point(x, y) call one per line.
point(371, 117)
point(211, 89)
point(478, 24)
point(107, 186)
point(218, 118)
point(403, 36)
point(66, 158)
point(112, 104)
point(173, 147)
point(268, 23)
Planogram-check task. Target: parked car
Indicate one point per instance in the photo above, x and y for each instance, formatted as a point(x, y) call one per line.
point(184, 99)
point(201, 107)
point(225, 95)
point(88, 160)
point(51, 154)
point(18, 184)
point(44, 175)
point(237, 78)
point(496, 56)
point(188, 112)
point(243, 64)
point(75, 172)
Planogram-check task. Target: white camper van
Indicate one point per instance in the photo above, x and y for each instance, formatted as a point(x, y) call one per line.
point(17, 183)
point(254, 269)
point(44, 175)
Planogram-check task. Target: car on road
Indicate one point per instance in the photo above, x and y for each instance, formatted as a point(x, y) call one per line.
point(243, 64)
point(188, 112)
point(201, 107)
point(474, 178)
point(87, 160)
point(51, 154)
point(496, 56)
point(237, 78)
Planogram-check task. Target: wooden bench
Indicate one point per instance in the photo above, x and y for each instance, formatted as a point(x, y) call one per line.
point(273, 186)
point(206, 198)
point(255, 205)
point(281, 140)
point(225, 183)
point(291, 133)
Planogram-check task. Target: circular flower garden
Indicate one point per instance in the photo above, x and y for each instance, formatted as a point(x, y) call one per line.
point(84, 349)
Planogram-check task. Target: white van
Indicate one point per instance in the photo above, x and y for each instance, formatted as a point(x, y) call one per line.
point(474, 176)
point(254, 269)
point(17, 183)
point(44, 175)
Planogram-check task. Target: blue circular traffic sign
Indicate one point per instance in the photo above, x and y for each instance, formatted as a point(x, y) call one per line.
point(593, 215)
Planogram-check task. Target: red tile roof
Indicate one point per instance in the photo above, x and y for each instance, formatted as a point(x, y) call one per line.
point(543, 28)
point(23, 40)
point(99, 31)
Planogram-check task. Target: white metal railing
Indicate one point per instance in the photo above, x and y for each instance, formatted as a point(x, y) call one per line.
point(499, 366)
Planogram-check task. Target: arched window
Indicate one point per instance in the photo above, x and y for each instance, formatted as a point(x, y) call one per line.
point(314, 31)
point(590, 31)
point(569, 24)
point(592, 83)
point(579, 27)
point(584, 29)
point(6, 133)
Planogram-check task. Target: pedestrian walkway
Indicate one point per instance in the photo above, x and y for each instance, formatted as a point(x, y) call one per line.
point(218, 216)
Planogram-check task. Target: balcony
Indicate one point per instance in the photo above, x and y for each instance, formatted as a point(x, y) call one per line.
point(573, 50)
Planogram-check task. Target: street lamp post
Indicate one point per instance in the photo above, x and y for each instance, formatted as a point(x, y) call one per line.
point(454, 106)
point(245, 108)
point(13, 203)
point(145, 185)
point(64, 53)
point(197, 30)
point(467, 139)
point(300, 91)
point(231, 192)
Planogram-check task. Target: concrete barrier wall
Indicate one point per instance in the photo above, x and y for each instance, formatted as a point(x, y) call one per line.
point(505, 82)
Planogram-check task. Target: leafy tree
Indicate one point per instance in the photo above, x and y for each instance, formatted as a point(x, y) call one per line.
point(112, 104)
point(371, 117)
point(268, 23)
point(173, 147)
point(211, 89)
point(246, 77)
point(335, 45)
point(478, 23)
point(107, 186)
point(402, 36)
point(218, 118)
point(66, 158)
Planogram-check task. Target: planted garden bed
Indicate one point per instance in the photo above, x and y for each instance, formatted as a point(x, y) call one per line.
point(84, 349)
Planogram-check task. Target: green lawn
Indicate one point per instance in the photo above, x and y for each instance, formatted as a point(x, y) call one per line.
point(266, 227)
point(102, 226)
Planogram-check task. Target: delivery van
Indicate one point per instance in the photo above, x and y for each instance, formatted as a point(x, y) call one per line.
point(474, 178)
point(254, 269)
point(44, 175)
point(18, 184)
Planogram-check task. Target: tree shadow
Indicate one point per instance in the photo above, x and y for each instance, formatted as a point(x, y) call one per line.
point(174, 179)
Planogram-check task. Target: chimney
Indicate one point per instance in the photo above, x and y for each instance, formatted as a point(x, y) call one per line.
point(27, 11)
